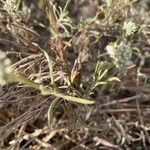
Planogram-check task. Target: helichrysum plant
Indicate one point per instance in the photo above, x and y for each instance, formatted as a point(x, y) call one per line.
point(121, 54)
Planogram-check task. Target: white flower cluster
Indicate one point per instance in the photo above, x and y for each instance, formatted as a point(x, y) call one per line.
point(121, 54)
point(10, 5)
point(108, 2)
point(5, 68)
point(130, 28)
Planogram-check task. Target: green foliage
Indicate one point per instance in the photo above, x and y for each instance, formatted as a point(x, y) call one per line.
point(64, 21)
point(50, 112)
point(100, 76)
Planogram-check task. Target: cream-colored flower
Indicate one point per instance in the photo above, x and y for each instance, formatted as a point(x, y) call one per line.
point(121, 54)
point(111, 49)
point(10, 5)
point(130, 28)
point(5, 68)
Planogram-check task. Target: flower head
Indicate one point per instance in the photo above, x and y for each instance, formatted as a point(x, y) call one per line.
point(130, 28)
point(121, 54)
point(5, 68)
point(10, 5)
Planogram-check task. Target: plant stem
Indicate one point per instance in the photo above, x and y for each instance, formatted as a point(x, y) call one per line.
point(47, 90)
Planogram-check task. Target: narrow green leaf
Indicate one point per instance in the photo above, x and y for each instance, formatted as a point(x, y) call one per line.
point(100, 83)
point(97, 67)
point(51, 111)
point(102, 74)
point(114, 79)
point(75, 99)
point(50, 65)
